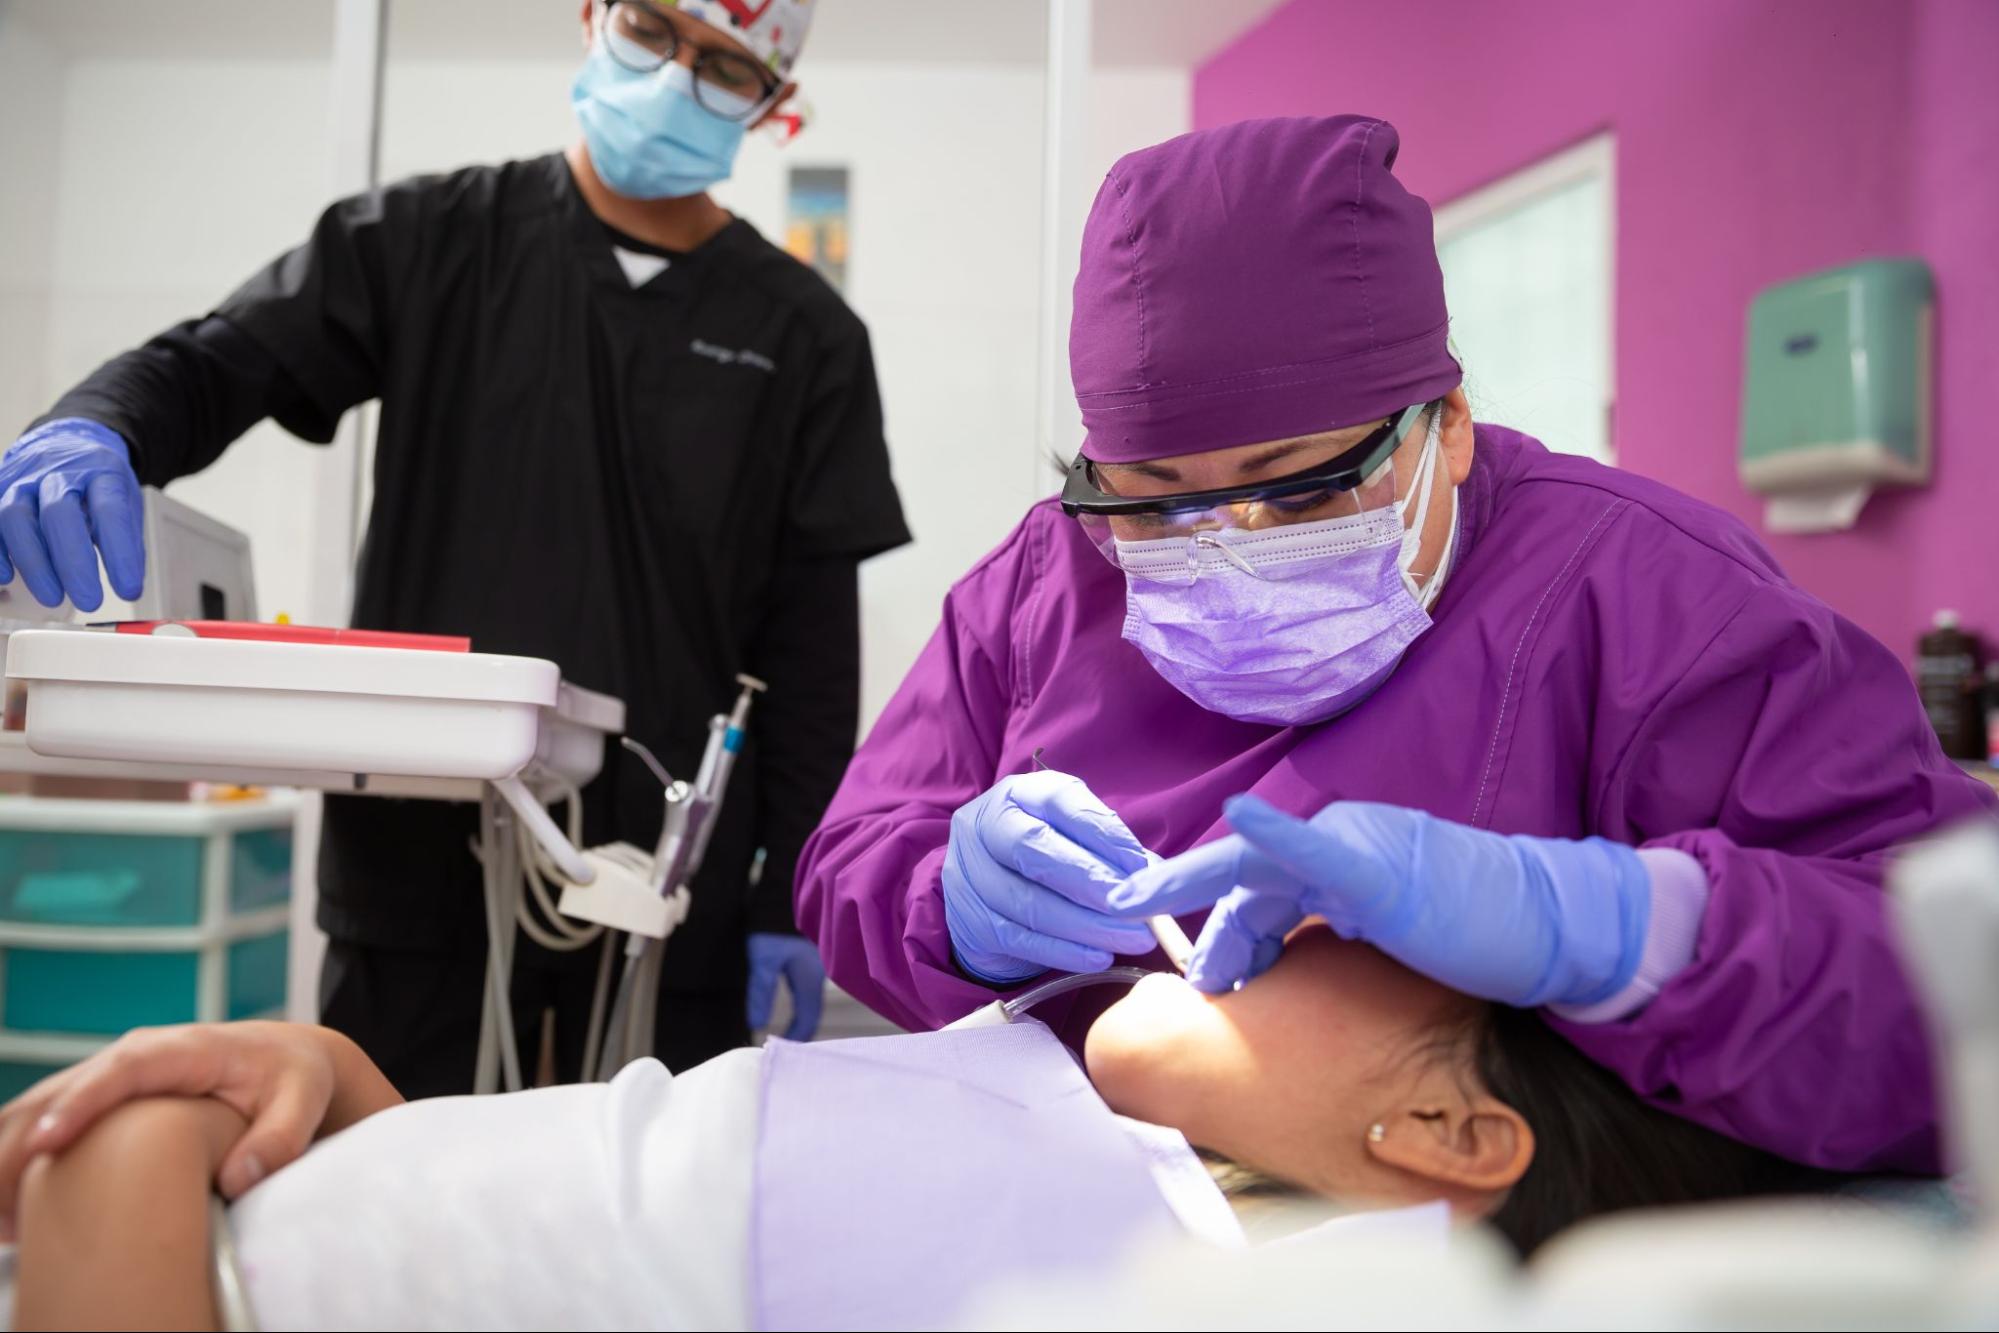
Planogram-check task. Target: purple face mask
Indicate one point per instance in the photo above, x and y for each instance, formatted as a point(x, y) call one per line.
point(1285, 626)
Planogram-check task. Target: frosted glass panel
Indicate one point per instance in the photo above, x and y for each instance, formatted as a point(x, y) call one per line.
point(1529, 293)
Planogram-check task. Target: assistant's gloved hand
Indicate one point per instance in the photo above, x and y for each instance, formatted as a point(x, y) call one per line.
point(1025, 878)
point(67, 490)
point(795, 959)
point(1524, 921)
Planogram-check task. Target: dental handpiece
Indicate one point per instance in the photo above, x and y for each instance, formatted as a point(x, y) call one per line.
point(1173, 941)
point(691, 807)
point(674, 857)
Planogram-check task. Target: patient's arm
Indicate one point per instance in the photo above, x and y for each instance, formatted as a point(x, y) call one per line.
point(294, 1083)
point(115, 1231)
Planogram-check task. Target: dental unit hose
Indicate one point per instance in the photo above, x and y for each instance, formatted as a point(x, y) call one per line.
point(691, 810)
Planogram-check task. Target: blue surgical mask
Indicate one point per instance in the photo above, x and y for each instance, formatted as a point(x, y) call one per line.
point(648, 137)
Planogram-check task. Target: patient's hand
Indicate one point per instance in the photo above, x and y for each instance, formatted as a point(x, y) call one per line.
point(290, 1082)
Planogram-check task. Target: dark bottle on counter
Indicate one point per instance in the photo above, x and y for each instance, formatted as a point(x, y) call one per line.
point(1992, 713)
point(1950, 678)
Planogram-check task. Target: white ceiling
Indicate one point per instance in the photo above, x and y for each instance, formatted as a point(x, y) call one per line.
point(1125, 32)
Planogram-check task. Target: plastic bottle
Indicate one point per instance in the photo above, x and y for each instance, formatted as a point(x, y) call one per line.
point(1949, 677)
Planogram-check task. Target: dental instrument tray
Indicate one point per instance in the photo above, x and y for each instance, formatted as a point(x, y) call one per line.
point(339, 705)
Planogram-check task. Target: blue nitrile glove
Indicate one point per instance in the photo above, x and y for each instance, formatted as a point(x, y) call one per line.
point(792, 957)
point(1026, 875)
point(1524, 921)
point(67, 490)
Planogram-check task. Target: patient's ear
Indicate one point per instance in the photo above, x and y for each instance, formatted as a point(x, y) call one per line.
point(1465, 1145)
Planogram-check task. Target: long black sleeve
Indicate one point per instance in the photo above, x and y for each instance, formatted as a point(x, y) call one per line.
point(841, 508)
point(180, 398)
point(809, 653)
point(301, 341)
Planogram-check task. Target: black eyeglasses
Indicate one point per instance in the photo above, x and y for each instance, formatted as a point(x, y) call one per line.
point(1083, 494)
point(641, 37)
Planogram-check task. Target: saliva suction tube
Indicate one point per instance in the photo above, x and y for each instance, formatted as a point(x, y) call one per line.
point(1048, 990)
point(1009, 1011)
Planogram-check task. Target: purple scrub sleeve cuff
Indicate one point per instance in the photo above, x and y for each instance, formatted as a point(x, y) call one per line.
point(1679, 901)
point(1795, 1027)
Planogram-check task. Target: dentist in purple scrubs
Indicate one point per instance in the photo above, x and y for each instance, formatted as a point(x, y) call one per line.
point(1551, 733)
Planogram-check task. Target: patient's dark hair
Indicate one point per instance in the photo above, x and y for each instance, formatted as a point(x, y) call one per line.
point(1597, 1147)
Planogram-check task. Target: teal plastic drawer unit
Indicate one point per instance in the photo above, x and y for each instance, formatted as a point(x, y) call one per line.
point(123, 914)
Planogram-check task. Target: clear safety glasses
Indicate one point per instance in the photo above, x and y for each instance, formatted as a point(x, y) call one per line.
point(641, 36)
point(1130, 503)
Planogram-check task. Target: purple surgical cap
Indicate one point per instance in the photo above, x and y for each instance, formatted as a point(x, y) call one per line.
point(1259, 281)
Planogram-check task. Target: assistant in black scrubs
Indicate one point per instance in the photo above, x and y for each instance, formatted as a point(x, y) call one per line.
point(658, 466)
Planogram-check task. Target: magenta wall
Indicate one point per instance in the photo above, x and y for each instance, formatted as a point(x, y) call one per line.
point(1756, 140)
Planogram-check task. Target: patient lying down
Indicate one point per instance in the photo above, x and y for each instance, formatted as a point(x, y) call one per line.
point(1339, 1073)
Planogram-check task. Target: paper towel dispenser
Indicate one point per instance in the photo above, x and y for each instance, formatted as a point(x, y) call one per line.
point(1836, 394)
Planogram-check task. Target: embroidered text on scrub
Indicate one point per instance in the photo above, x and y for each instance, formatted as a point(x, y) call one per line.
point(731, 357)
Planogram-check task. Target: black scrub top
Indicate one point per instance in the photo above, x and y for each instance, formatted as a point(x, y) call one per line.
point(656, 486)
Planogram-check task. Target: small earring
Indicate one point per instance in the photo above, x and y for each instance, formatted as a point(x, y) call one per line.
point(1377, 1132)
